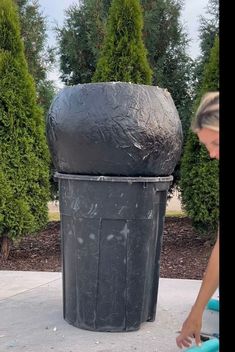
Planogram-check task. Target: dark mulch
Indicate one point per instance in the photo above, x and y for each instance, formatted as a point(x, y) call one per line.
point(184, 254)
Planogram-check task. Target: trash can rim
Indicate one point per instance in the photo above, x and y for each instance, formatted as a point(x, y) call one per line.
point(113, 178)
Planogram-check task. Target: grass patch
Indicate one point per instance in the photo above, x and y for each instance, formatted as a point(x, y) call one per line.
point(54, 216)
point(169, 213)
point(177, 214)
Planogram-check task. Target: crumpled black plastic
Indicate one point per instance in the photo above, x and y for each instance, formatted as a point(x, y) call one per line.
point(114, 129)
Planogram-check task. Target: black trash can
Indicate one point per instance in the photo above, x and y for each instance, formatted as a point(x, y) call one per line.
point(114, 146)
point(111, 231)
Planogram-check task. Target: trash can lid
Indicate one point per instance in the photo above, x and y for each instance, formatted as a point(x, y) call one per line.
point(113, 178)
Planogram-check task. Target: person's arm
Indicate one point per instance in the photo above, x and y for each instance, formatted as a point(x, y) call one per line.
point(192, 326)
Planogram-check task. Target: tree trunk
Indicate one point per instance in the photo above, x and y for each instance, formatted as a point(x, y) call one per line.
point(5, 247)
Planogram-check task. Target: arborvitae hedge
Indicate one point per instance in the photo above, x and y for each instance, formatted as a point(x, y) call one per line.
point(24, 157)
point(124, 57)
point(199, 186)
point(199, 174)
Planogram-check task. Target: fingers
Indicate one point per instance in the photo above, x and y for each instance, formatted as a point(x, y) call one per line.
point(183, 341)
point(198, 339)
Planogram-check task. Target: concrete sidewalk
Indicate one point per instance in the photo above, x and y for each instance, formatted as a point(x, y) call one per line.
point(32, 321)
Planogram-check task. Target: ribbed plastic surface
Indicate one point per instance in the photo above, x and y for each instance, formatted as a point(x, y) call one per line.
point(111, 233)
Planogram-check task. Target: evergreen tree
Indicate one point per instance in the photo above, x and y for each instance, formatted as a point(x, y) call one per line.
point(211, 70)
point(80, 40)
point(209, 29)
point(40, 57)
point(124, 57)
point(199, 174)
point(24, 154)
point(166, 43)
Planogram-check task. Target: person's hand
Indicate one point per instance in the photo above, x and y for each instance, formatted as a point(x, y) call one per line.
point(191, 329)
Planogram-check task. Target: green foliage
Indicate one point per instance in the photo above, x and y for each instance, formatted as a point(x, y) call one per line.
point(33, 31)
point(39, 56)
point(211, 71)
point(199, 184)
point(199, 174)
point(46, 91)
point(5, 195)
point(209, 29)
point(9, 32)
point(24, 156)
point(80, 40)
point(124, 57)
